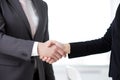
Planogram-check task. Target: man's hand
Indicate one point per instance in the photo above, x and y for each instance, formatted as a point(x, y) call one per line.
point(48, 51)
point(64, 47)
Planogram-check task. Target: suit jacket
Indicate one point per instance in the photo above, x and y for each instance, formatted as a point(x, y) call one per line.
point(110, 41)
point(16, 42)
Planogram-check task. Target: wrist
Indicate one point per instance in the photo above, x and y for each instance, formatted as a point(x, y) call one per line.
point(67, 48)
point(39, 47)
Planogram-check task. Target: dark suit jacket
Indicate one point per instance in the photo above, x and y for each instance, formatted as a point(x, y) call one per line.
point(16, 42)
point(110, 41)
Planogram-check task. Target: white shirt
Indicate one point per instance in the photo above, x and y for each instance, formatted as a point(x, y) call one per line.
point(33, 20)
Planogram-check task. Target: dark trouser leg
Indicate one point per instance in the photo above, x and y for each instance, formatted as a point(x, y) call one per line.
point(36, 75)
point(116, 78)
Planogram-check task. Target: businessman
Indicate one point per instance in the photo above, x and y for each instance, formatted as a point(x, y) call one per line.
point(110, 41)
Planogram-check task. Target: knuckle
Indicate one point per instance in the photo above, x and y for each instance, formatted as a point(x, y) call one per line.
point(54, 51)
point(60, 56)
point(55, 48)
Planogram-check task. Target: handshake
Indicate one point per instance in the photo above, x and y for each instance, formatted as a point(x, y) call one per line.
point(51, 51)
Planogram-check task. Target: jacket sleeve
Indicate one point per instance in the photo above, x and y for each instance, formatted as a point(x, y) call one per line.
point(96, 46)
point(12, 46)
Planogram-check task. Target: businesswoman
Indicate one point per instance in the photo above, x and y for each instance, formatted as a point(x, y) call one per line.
point(23, 23)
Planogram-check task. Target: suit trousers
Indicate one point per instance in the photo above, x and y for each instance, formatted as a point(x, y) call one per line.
point(116, 78)
point(36, 74)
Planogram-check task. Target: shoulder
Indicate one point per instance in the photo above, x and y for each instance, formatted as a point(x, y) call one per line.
point(118, 9)
point(44, 4)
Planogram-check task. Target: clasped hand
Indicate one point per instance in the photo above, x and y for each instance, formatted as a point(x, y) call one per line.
point(51, 51)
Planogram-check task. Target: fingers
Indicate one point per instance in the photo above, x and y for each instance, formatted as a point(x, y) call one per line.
point(51, 61)
point(60, 47)
point(59, 51)
point(48, 60)
point(50, 43)
point(44, 58)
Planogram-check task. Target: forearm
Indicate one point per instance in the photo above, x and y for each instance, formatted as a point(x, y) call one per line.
point(79, 49)
point(96, 46)
point(15, 47)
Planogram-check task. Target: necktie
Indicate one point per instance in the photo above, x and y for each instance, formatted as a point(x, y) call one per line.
point(30, 14)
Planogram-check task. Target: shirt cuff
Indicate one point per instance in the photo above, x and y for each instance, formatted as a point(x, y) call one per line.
point(34, 50)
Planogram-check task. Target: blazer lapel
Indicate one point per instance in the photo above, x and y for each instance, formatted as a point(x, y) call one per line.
point(38, 4)
point(18, 8)
point(40, 12)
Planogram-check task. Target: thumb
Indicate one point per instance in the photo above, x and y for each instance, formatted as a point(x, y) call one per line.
point(50, 43)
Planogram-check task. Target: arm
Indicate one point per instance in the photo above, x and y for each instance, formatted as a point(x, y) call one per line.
point(12, 46)
point(91, 47)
